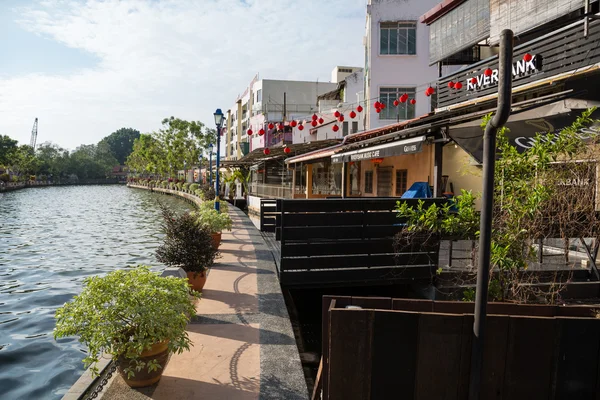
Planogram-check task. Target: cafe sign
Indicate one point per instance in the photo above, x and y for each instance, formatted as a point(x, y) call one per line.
point(530, 64)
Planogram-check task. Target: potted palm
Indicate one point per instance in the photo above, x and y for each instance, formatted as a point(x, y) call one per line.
point(215, 222)
point(136, 316)
point(186, 245)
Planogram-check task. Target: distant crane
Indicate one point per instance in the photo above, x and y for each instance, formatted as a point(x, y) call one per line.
point(34, 134)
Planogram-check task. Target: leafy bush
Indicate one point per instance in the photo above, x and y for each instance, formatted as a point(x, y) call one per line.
point(193, 187)
point(185, 186)
point(4, 177)
point(213, 220)
point(207, 192)
point(125, 313)
point(179, 185)
point(210, 205)
point(186, 244)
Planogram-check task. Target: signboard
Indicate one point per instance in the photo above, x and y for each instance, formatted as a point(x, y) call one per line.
point(409, 146)
point(519, 69)
point(523, 127)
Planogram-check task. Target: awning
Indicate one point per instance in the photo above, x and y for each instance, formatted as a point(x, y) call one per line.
point(390, 149)
point(525, 125)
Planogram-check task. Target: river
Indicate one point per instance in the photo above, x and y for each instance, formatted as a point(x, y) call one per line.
point(50, 240)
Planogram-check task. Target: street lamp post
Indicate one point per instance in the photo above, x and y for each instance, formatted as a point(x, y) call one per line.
point(210, 147)
point(184, 171)
point(199, 168)
point(219, 122)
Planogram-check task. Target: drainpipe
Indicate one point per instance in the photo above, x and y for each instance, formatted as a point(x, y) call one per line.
point(489, 162)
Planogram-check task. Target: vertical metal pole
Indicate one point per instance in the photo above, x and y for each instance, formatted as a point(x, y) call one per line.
point(343, 180)
point(217, 205)
point(210, 166)
point(437, 169)
point(489, 162)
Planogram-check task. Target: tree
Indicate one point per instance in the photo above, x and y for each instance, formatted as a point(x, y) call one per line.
point(8, 147)
point(121, 142)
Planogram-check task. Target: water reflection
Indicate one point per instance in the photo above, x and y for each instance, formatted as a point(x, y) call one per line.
point(50, 240)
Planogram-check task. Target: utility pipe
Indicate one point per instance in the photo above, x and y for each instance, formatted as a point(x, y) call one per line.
point(489, 162)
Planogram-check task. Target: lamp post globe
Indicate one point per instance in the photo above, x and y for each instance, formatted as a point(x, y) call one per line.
point(219, 117)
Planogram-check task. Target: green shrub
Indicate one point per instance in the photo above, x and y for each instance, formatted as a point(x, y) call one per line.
point(186, 244)
point(213, 220)
point(4, 177)
point(210, 205)
point(193, 187)
point(125, 313)
point(185, 186)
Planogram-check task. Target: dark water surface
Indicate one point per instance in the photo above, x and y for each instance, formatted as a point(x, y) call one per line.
point(50, 240)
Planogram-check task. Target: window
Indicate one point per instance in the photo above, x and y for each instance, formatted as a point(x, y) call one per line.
point(345, 128)
point(349, 70)
point(259, 95)
point(398, 38)
point(403, 111)
point(368, 181)
point(401, 181)
point(354, 126)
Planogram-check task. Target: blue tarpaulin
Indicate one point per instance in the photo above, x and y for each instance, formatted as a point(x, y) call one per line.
point(418, 190)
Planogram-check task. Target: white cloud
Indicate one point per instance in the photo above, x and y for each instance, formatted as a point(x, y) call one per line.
point(162, 58)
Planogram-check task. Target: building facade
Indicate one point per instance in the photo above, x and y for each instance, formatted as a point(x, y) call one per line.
point(265, 102)
point(397, 60)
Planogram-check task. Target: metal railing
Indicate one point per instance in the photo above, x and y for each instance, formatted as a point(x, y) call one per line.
point(273, 191)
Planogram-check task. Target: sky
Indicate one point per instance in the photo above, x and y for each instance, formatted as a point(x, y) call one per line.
point(88, 68)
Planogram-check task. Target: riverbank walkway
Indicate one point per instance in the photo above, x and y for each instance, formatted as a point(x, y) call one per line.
point(244, 346)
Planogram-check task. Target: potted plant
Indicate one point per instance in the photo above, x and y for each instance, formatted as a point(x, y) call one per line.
point(186, 245)
point(136, 316)
point(215, 222)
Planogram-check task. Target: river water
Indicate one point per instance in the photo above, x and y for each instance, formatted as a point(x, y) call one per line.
point(50, 240)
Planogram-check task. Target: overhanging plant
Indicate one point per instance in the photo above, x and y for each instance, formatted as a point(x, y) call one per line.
point(530, 193)
point(125, 313)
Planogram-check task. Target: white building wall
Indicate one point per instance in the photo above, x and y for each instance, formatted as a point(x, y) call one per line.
point(397, 70)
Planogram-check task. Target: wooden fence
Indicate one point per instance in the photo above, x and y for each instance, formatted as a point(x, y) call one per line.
point(421, 349)
point(349, 241)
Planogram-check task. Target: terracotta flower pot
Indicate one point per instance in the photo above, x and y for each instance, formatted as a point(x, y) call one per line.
point(160, 352)
point(197, 280)
point(216, 238)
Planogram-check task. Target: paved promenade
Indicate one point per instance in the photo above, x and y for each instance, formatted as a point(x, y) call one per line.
point(244, 346)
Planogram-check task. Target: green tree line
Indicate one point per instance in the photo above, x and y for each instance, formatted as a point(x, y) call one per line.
point(95, 161)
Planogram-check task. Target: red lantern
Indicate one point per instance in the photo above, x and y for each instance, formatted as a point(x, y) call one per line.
point(341, 118)
point(337, 114)
point(267, 151)
point(359, 108)
point(378, 110)
point(458, 86)
point(249, 132)
point(280, 127)
point(396, 103)
point(271, 126)
point(314, 117)
point(321, 120)
point(413, 101)
point(335, 128)
point(451, 85)
point(352, 114)
point(377, 104)
point(488, 72)
point(300, 127)
point(473, 80)
point(293, 123)
point(314, 123)
point(429, 91)
point(527, 57)
point(261, 132)
point(403, 98)
point(381, 105)
point(287, 150)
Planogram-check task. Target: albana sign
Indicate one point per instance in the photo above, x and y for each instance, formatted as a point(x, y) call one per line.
point(526, 66)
